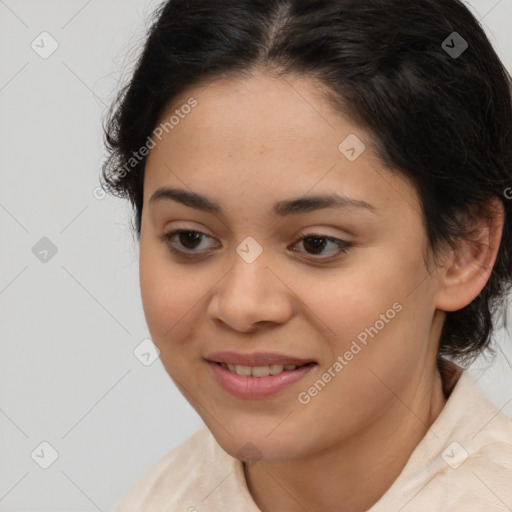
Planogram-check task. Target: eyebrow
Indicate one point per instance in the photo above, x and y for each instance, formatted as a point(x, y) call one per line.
point(282, 208)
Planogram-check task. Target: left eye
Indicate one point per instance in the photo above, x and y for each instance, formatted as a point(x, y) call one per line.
point(342, 245)
point(190, 240)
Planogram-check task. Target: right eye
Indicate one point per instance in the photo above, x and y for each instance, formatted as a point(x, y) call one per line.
point(187, 238)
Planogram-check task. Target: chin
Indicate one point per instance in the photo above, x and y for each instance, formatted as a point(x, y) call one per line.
point(251, 443)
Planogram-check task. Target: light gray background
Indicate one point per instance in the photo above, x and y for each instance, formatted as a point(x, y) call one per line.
point(69, 325)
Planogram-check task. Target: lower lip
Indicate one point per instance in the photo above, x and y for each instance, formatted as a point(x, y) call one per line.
point(257, 387)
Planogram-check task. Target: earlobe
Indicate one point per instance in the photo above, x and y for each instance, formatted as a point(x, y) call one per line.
point(470, 264)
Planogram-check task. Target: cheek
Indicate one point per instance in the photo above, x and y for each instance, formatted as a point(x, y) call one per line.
point(350, 300)
point(375, 312)
point(379, 354)
point(169, 293)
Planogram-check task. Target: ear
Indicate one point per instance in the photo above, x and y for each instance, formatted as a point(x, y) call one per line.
point(468, 267)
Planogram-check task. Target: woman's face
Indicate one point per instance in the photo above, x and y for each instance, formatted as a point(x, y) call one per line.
point(359, 306)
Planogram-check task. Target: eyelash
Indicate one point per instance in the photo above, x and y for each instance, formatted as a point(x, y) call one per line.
point(343, 245)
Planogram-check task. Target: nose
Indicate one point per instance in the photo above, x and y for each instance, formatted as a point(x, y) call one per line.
point(251, 296)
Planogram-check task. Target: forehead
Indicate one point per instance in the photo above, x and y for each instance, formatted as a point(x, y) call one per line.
point(263, 137)
point(261, 112)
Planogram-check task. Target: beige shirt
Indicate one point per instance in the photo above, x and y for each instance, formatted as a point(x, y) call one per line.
point(463, 463)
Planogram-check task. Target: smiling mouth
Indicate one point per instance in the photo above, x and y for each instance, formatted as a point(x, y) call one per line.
point(261, 371)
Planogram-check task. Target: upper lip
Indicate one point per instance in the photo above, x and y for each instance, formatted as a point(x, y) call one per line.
point(256, 359)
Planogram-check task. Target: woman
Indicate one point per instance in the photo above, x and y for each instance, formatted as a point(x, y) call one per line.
point(320, 196)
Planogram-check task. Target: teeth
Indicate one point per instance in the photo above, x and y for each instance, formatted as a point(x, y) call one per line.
point(276, 368)
point(259, 371)
point(243, 370)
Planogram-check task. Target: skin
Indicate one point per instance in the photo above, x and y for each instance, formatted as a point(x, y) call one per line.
point(249, 143)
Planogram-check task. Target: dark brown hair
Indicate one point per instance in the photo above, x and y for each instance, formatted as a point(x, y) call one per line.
point(438, 104)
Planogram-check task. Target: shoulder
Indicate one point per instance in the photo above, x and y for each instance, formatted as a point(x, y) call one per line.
point(181, 478)
point(474, 469)
point(483, 427)
point(464, 462)
point(474, 420)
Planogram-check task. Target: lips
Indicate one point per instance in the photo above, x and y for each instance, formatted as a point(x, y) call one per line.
point(256, 387)
point(257, 359)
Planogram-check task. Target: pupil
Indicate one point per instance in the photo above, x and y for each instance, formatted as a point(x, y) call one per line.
point(317, 245)
point(189, 236)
